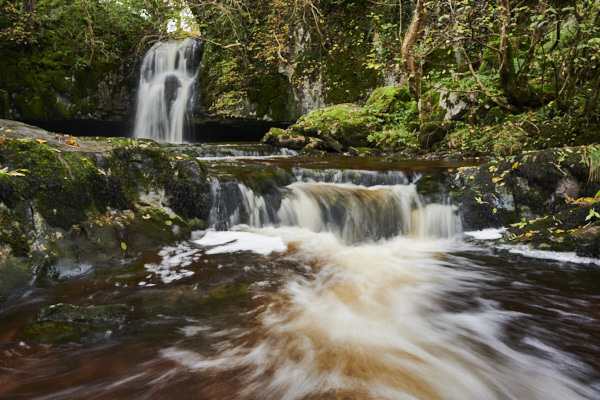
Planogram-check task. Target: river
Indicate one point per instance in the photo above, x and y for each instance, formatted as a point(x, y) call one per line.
point(321, 278)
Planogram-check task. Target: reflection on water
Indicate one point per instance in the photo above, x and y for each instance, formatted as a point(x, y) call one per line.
point(322, 290)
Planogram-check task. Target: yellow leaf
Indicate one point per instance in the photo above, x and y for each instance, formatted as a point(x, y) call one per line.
point(515, 165)
point(146, 216)
point(8, 131)
point(528, 234)
point(494, 211)
point(72, 142)
point(559, 231)
point(41, 141)
point(472, 177)
point(496, 180)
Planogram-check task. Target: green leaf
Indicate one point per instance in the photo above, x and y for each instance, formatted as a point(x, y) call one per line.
point(123, 246)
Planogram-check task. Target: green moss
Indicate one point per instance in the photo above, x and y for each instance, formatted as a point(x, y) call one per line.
point(431, 109)
point(57, 183)
point(271, 94)
point(112, 314)
point(389, 100)
point(348, 124)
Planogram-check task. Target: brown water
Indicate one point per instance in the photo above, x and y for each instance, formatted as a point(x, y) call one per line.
point(322, 290)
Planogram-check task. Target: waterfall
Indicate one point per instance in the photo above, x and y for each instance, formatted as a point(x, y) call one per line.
point(355, 213)
point(166, 92)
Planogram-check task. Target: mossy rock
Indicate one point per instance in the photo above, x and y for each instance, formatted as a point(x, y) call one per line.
point(72, 207)
point(388, 100)
point(432, 133)
point(286, 138)
point(348, 124)
point(566, 230)
point(113, 314)
point(60, 333)
point(62, 324)
point(363, 151)
point(430, 106)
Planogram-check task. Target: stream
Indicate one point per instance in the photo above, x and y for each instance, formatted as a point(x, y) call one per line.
point(321, 278)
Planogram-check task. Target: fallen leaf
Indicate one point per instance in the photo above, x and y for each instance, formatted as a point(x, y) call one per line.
point(72, 142)
point(515, 165)
point(528, 234)
point(8, 131)
point(123, 246)
point(41, 141)
point(559, 231)
point(496, 180)
point(146, 216)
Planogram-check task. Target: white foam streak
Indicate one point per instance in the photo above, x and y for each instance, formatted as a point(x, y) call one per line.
point(232, 241)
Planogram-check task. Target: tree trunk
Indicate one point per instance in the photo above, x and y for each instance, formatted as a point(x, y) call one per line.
point(28, 11)
point(516, 88)
point(408, 53)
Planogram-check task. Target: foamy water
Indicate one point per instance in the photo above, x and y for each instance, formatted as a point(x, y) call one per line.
point(368, 322)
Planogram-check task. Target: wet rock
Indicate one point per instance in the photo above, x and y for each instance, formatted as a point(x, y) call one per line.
point(66, 323)
point(113, 314)
point(67, 206)
point(534, 194)
point(363, 151)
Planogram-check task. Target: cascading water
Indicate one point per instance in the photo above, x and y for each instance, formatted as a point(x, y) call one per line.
point(366, 318)
point(166, 92)
point(318, 282)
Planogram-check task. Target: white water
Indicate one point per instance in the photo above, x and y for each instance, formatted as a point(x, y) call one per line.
point(366, 319)
point(367, 322)
point(165, 94)
point(354, 213)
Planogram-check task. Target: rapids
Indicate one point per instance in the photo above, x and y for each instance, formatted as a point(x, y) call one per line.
point(317, 281)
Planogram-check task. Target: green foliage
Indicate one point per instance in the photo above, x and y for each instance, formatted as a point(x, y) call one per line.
point(54, 56)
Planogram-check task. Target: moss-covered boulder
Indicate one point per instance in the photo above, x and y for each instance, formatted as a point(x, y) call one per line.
point(113, 314)
point(286, 138)
point(67, 202)
point(569, 229)
point(66, 323)
point(347, 124)
point(546, 198)
point(337, 128)
point(389, 100)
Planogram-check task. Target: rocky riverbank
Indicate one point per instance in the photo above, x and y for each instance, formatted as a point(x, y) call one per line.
point(69, 203)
